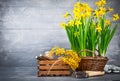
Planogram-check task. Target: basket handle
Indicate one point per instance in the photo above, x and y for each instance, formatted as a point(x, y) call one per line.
point(86, 50)
point(53, 65)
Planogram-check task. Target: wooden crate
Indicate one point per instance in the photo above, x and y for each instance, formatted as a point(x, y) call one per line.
point(59, 69)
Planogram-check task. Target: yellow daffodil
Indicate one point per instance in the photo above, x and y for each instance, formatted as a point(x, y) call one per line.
point(71, 22)
point(82, 15)
point(102, 10)
point(87, 14)
point(115, 17)
point(78, 23)
point(97, 13)
point(100, 3)
point(66, 15)
point(63, 25)
point(78, 4)
point(85, 5)
point(76, 16)
point(75, 5)
point(99, 29)
point(107, 22)
point(88, 9)
point(110, 9)
point(76, 12)
point(103, 2)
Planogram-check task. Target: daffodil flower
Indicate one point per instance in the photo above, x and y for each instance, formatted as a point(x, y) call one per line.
point(110, 9)
point(98, 3)
point(107, 22)
point(102, 10)
point(99, 29)
point(101, 3)
point(115, 17)
point(63, 25)
point(71, 22)
point(87, 14)
point(66, 15)
point(78, 23)
point(97, 13)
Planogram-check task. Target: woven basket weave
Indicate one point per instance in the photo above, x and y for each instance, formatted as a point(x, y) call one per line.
point(95, 63)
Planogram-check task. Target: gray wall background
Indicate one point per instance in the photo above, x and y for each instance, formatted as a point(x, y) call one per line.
point(31, 27)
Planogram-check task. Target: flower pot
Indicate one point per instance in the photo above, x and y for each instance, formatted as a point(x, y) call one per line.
point(92, 64)
point(96, 63)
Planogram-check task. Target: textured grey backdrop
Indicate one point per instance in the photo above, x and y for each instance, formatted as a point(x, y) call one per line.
point(31, 27)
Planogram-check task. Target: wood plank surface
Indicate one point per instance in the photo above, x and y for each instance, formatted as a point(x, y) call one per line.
point(54, 67)
point(57, 73)
point(50, 62)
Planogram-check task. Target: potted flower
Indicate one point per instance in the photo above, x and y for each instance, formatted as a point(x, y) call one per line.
point(89, 30)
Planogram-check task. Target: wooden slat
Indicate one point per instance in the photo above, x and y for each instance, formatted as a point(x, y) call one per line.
point(50, 62)
point(60, 68)
point(57, 73)
point(54, 67)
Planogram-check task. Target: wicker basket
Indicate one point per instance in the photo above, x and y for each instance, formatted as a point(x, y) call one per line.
point(95, 63)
